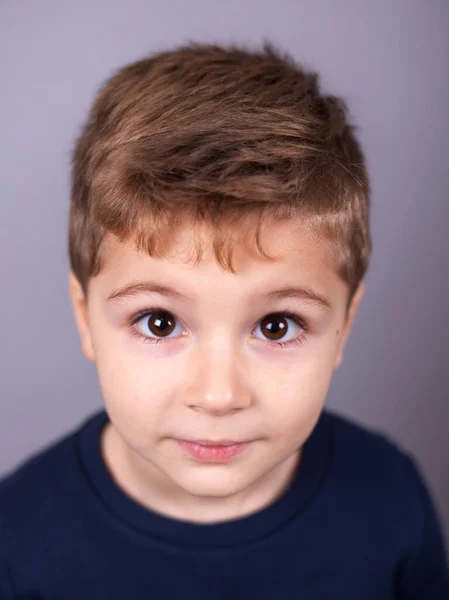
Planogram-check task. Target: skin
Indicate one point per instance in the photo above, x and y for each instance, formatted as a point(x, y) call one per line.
point(217, 375)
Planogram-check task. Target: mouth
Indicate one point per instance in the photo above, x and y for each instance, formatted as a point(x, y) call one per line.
point(207, 452)
point(216, 443)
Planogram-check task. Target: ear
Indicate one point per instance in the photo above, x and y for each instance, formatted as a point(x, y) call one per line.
point(79, 306)
point(348, 323)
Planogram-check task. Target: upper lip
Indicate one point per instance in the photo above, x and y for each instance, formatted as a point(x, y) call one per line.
point(213, 442)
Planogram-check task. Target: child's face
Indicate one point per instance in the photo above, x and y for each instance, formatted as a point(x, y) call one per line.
point(218, 374)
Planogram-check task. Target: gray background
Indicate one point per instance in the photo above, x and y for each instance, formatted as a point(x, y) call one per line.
point(386, 58)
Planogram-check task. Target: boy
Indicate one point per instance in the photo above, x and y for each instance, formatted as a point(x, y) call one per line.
point(218, 235)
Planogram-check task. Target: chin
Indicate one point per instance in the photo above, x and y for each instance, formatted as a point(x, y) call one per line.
point(213, 481)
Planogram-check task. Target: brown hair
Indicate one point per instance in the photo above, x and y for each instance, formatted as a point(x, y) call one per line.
point(219, 135)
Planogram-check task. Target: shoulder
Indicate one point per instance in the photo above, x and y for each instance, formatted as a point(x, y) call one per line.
point(370, 451)
point(37, 465)
point(380, 489)
point(374, 468)
point(35, 490)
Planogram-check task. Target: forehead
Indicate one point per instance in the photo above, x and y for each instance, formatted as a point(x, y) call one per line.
point(303, 261)
point(291, 243)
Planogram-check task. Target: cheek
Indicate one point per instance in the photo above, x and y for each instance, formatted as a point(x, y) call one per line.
point(129, 371)
point(133, 392)
point(294, 396)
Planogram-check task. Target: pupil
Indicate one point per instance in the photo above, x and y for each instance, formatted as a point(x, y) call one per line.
point(163, 323)
point(278, 327)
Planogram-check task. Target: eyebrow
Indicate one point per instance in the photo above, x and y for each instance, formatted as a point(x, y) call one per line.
point(146, 287)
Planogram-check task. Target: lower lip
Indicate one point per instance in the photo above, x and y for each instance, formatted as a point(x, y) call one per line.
point(212, 453)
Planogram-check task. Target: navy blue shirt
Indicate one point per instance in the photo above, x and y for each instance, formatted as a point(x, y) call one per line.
point(357, 523)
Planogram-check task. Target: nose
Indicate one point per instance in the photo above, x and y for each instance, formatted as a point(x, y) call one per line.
point(217, 381)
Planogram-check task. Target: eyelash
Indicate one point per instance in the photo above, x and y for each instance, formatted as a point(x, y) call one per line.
point(144, 313)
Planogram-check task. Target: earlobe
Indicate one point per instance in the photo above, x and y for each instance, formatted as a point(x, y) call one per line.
point(349, 323)
point(79, 307)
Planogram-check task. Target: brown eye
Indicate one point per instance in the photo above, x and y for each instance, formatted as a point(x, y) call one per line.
point(274, 326)
point(161, 323)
